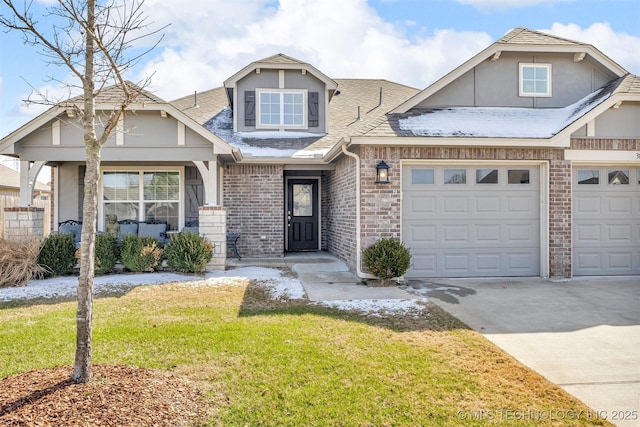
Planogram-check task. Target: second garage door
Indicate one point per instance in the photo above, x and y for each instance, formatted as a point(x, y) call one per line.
point(471, 221)
point(606, 220)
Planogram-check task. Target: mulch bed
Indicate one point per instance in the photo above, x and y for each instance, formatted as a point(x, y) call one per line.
point(117, 396)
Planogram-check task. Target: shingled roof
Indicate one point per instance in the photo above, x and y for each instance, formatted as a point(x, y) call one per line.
point(114, 95)
point(359, 105)
point(525, 36)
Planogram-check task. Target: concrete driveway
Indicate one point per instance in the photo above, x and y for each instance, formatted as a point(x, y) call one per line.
point(582, 334)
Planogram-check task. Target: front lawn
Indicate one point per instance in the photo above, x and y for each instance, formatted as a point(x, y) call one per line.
point(284, 362)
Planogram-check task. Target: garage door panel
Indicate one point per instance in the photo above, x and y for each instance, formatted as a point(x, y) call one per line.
point(619, 205)
point(425, 204)
point(455, 205)
point(422, 233)
point(472, 229)
point(487, 205)
point(586, 206)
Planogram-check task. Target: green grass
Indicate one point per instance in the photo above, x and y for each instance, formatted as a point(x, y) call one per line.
point(279, 363)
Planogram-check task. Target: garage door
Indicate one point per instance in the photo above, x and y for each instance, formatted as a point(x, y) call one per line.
point(606, 220)
point(480, 221)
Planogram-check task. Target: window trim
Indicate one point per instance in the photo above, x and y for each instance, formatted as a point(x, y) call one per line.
point(139, 170)
point(281, 126)
point(521, 91)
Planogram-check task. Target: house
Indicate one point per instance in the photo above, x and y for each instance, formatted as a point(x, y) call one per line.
point(523, 161)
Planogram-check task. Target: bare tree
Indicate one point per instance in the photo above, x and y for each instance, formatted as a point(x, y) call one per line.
point(92, 41)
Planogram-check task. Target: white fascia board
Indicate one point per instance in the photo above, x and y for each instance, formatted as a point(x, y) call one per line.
point(591, 115)
point(447, 79)
point(231, 81)
point(602, 156)
point(287, 161)
point(8, 142)
point(459, 141)
point(220, 146)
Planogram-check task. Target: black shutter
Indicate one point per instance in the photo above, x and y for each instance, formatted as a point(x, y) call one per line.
point(314, 110)
point(250, 108)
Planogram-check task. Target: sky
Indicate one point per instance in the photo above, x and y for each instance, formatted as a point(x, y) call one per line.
point(413, 42)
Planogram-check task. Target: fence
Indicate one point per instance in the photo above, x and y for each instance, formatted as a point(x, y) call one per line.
point(7, 201)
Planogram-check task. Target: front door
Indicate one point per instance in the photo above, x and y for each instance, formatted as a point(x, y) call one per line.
point(302, 215)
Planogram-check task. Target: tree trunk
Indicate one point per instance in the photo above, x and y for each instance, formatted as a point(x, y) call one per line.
point(84, 316)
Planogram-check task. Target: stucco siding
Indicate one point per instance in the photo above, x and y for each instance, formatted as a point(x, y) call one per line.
point(267, 79)
point(622, 122)
point(68, 197)
point(496, 83)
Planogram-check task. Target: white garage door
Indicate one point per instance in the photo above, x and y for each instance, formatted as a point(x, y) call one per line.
point(606, 220)
point(471, 221)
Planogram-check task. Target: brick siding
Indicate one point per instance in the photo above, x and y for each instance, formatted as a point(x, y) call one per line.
point(341, 211)
point(381, 215)
point(254, 199)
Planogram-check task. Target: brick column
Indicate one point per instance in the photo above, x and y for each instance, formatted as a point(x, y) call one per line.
point(22, 222)
point(560, 220)
point(213, 226)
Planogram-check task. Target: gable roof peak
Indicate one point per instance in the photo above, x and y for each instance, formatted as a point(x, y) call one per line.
point(522, 35)
point(280, 58)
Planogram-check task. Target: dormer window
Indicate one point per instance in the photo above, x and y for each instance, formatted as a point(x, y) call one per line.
point(535, 80)
point(281, 109)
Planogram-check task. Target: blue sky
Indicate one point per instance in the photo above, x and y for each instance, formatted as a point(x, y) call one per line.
point(413, 42)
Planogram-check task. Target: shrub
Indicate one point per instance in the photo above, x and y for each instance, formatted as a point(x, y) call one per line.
point(188, 253)
point(140, 253)
point(19, 261)
point(105, 254)
point(386, 259)
point(57, 254)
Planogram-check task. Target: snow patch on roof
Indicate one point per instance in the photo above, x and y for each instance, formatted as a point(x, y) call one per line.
point(222, 126)
point(500, 122)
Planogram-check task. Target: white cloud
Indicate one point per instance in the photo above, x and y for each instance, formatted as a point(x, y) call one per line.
point(621, 47)
point(208, 41)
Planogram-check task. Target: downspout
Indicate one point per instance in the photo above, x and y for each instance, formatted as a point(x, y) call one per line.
point(359, 272)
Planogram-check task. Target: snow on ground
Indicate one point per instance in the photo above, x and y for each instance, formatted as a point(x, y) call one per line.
point(380, 307)
point(279, 286)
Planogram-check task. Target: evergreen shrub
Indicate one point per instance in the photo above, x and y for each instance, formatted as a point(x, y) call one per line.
point(140, 253)
point(188, 252)
point(386, 259)
point(57, 254)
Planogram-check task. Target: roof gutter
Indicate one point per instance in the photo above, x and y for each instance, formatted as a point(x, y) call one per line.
point(359, 272)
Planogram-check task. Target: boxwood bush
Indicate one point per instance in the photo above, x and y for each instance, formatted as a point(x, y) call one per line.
point(57, 254)
point(188, 252)
point(140, 253)
point(106, 254)
point(386, 259)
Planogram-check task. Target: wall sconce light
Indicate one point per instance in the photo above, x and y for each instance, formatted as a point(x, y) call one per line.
point(382, 173)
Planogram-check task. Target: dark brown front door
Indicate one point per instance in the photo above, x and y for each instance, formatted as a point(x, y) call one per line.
point(302, 215)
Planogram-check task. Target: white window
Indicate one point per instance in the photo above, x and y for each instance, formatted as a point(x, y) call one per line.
point(282, 109)
point(535, 80)
point(142, 195)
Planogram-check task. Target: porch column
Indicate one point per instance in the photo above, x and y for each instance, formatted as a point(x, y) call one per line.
point(213, 226)
point(28, 175)
point(209, 172)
